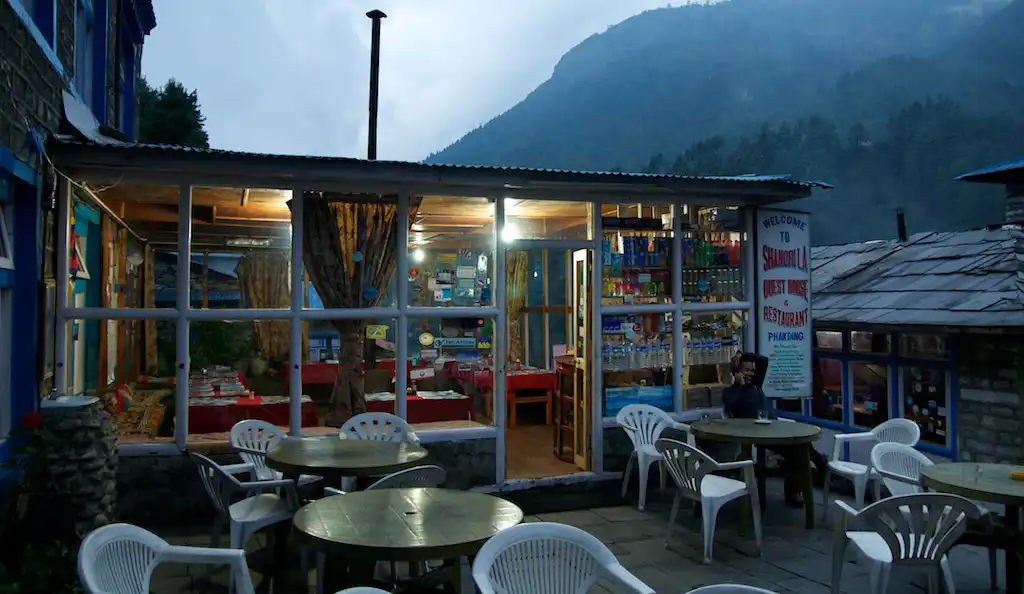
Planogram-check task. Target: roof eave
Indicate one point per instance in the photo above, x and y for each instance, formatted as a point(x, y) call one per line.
point(110, 163)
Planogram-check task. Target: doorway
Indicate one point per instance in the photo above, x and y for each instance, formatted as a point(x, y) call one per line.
point(547, 383)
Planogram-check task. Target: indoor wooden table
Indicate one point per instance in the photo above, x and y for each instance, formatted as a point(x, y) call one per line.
point(403, 525)
point(991, 483)
point(775, 434)
point(334, 458)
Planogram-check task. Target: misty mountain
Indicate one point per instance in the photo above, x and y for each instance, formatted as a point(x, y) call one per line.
point(658, 83)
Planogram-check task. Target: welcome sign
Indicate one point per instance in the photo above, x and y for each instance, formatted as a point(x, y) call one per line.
point(784, 301)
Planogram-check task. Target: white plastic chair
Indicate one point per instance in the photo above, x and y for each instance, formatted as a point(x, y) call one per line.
point(643, 424)
point(730, 589)
point(692, 470)
point(121, 558)
point(549, 558)
point(902, 431)
point(375, 426)
point(362, 590)
point(252, 438)
point(419, 476)
point(378, 426)
point(913, 530)
point(899, 467)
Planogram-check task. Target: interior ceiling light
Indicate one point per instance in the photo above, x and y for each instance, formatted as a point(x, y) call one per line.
point(510, 233)
point(418, 256)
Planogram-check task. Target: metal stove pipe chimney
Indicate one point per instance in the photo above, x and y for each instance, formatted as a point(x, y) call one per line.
point(371, 141)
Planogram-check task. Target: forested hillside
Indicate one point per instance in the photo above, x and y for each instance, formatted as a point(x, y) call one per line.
point(888, 101)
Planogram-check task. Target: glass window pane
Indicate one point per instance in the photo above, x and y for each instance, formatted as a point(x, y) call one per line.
point(870, 342)
point(546, 219)
point(636, 251)
point(870, 385)
point(710, 341)
point(827, 402)
point(361, 350)
point(713, 244)
point(828, 340)
point(451, 248)
point(451, 380)
point(535, 335)
point(925, 401)
point(923, 346)
point(790, 405)
point(636, 360)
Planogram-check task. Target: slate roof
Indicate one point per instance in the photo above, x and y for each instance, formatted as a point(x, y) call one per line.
point(965, 278)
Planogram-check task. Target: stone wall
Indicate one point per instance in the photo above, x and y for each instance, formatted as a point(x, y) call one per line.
point(84, 462)
point(160, 489)
point(32, 99)
point(989, 409)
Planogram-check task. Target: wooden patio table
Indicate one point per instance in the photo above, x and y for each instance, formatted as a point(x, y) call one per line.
point(413, 525)
point(777, 433)
point(991, 483)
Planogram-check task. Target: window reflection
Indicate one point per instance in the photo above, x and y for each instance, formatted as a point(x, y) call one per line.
point(870, 383)
point(827, 401)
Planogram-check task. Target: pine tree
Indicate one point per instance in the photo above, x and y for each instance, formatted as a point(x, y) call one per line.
point(171, 115)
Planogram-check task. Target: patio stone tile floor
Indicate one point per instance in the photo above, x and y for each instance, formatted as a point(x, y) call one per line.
point(794, 560)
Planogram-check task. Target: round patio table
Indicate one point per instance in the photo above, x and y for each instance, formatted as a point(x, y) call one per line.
point(415, 524)
point(776, 434)
point(985, 482)
point(334, 458)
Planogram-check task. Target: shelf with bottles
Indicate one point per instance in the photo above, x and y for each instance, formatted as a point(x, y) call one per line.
point(712, 255)
point(636, 342)
point(711, 339)
point(636, 261)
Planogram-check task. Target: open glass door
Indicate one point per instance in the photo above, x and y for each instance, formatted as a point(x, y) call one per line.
point(581, 303)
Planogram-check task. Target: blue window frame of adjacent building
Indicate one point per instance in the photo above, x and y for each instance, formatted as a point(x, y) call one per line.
point(862, 379)
point(85, 47)
point(40, 16)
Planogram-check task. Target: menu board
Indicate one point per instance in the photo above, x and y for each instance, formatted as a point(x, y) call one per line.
point(784, 301)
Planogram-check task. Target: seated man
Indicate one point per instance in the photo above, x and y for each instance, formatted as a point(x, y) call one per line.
point(746, 400)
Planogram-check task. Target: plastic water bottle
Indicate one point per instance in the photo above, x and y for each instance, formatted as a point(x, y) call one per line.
point(606, 354)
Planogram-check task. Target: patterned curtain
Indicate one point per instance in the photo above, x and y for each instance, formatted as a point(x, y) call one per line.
point(349, 253)
point(265, 283)
point(515, 286)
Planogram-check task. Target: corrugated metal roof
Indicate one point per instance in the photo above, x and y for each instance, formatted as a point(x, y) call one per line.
point(1000, 169)
point(963, 278)
point(607, 176)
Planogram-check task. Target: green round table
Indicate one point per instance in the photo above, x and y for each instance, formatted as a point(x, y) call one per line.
point(414, 525)
point(990, 483)
point(773, 434)
point(334, 458)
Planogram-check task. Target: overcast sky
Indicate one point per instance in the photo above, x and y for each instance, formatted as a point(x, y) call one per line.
point(275, 78)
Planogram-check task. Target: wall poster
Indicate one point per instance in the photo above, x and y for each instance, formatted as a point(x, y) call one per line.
point(784, 301)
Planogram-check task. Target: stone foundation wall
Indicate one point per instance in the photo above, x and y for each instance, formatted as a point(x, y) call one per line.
point(160, 489)
point(83, 461)
point(990, 406)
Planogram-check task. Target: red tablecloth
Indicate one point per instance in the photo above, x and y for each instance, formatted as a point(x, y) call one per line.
point(326, 373)
point(523, 379)
point(428, 410)
point(220, 418)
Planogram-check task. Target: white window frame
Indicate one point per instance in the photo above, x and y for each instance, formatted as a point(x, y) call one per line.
point(7, 258)
point(183, 314)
